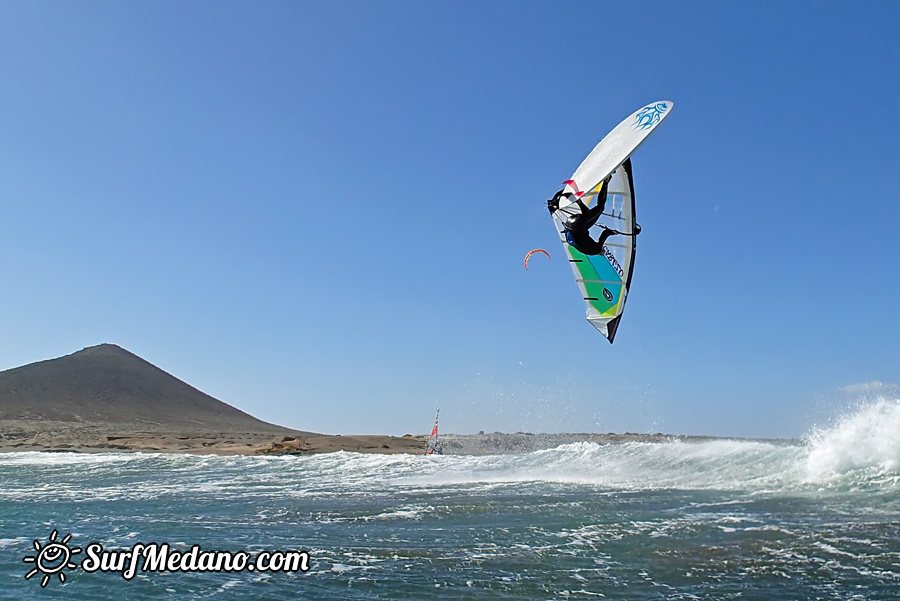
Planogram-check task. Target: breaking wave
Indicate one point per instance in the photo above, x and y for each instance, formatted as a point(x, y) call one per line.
point(862, 448)
point(860, 451)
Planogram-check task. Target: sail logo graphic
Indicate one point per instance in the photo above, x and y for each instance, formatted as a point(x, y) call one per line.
point(649, 116)
point(52, 559)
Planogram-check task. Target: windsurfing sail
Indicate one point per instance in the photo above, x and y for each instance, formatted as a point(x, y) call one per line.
point(434, 445)
point(604, 280)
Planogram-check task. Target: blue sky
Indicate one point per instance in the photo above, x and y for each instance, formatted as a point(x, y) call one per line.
point(317, 212)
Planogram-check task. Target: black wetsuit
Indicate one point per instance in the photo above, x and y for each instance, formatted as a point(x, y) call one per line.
point(578, 226)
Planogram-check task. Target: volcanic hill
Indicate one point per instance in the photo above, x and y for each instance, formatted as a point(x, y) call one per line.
point(105, 398)
point(108, 384)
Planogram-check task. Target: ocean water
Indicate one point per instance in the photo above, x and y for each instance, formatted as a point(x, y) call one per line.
point(723, 519)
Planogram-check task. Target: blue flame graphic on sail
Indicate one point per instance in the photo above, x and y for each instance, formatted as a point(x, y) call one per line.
point(649, 115)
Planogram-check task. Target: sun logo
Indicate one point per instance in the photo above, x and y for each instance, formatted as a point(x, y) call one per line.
point(52, 559)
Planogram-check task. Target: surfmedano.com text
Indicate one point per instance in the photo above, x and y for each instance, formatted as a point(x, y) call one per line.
point(155, 557)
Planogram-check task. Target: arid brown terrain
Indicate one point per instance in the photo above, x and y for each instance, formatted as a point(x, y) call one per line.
point(105, 398)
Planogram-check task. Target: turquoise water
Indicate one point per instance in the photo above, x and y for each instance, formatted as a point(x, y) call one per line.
point(715, 520)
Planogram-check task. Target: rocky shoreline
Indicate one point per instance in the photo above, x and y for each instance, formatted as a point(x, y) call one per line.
point(40, 435)
point(28, 435)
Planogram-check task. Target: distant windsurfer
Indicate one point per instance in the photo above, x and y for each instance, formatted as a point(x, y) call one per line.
point(578, 226)
point(434, 445)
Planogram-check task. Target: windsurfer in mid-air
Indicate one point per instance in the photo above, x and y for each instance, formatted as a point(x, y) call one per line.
point(578, 226)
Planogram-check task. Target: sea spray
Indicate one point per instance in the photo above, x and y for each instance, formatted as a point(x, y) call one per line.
point(862, 446)
point(634, 466)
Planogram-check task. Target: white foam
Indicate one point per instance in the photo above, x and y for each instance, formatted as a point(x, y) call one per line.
point(863, 445)
point(50, 459)
point(9, 542)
